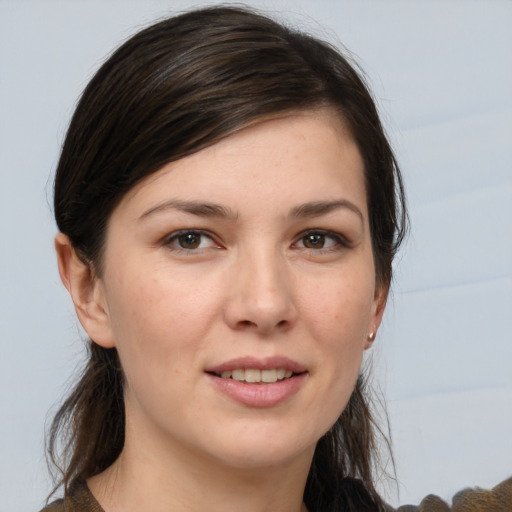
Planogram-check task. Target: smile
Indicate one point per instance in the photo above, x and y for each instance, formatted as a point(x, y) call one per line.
point(259, 381)
point(256, 376)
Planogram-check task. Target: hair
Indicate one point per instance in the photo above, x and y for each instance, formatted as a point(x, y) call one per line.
point(171, 90)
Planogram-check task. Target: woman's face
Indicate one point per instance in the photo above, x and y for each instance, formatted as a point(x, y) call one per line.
point(239, 289)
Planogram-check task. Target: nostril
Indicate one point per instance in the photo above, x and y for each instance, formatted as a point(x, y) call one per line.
point(244, 324)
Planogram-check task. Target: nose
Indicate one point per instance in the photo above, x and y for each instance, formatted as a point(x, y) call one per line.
point(260, 296)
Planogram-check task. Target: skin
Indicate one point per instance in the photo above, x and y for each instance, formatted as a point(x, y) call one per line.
point(268, 277)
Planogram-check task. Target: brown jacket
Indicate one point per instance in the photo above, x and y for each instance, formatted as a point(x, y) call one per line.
point(498, 499)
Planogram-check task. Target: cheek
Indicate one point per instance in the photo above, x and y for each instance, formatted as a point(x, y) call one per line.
point(339, 308)
point(338, 313)
point(158, 323)
point(158, 330)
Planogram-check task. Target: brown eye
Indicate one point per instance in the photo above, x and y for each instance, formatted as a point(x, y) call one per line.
point(321, 240)
point(189, 240)
point(313, 241)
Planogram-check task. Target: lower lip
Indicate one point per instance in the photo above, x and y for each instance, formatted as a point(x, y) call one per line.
point(260, 395)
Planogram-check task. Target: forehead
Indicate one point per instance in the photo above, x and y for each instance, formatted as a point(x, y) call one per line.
point(294, 157)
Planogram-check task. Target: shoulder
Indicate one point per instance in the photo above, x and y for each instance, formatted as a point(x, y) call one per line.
point(79, 499)
point(498, 499)
point(56, 506)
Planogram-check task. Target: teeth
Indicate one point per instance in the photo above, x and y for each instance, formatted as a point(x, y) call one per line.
point(269, 375)
point(238, 374)
point(253, 375)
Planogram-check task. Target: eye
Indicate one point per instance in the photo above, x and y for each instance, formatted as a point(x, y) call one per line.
point(189, 240)
point(314, 241)
point(320, 239)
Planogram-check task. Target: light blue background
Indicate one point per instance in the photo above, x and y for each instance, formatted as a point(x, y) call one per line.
point(442, 73)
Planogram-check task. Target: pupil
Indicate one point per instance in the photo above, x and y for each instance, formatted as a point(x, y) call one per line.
point(190, 240)
point(314, 241)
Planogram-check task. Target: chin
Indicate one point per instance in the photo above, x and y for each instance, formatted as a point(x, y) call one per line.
point(255, 459)
point(264, 447)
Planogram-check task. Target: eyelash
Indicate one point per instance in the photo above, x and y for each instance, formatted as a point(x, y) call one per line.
point(170, 240)
point(340, 242)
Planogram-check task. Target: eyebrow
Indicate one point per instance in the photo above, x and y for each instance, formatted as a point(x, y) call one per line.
point(207, 209)
point(199, 208)
point(318, 208)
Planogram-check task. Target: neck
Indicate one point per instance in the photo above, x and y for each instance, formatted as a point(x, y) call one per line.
point(177, 479)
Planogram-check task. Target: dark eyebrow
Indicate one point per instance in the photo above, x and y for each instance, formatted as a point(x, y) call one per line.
point(199, 208)
point(317, 208)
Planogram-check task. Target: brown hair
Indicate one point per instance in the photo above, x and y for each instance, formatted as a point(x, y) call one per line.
point(174, 88)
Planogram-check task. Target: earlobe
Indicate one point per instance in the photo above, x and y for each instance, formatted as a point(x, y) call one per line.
point(86, 291)
point(379, 305)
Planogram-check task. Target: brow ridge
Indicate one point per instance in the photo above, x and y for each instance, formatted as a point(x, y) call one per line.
point(208, 209)
point(318, 208)
point(199, 208)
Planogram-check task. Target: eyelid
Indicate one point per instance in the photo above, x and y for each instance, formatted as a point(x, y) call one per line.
point(170, 238)
point(341, 241)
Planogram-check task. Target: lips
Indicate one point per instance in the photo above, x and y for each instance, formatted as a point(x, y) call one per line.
point(258, 382)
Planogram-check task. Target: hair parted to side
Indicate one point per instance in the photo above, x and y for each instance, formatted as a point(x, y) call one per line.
point(172, 89)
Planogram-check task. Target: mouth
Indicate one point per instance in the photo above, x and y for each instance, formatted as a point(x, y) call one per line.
point(259, 381)
point(252, 370)
point(256, 376)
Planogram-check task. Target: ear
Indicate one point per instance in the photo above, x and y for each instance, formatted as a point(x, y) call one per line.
point(87, 292)
point(378, 307)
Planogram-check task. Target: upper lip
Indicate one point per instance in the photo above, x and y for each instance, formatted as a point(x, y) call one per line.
point(260, 363)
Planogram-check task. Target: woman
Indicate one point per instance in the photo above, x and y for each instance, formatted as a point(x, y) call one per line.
point(229, 208)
